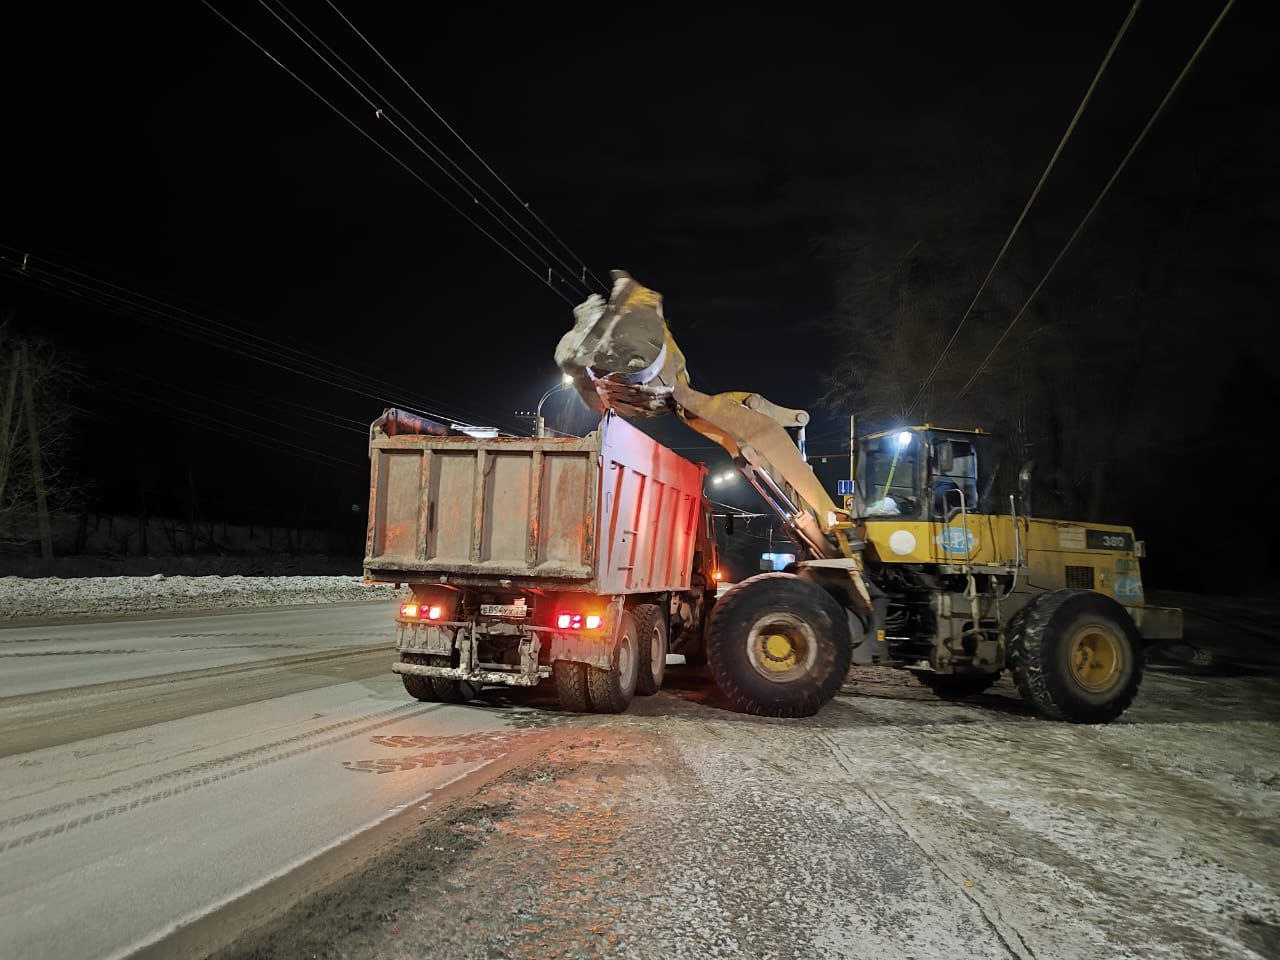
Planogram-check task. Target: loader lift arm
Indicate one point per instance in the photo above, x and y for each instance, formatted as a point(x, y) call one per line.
point(621, 355)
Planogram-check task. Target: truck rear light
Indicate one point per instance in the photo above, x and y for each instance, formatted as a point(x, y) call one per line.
point(567, 620)
point(717, 575)
point(420, 611)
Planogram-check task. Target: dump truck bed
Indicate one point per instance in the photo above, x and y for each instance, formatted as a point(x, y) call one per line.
point(612, 513)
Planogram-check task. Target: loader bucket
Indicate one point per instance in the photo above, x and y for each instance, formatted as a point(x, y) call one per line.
point(620, 354)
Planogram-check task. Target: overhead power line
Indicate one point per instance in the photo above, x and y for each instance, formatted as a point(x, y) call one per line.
point(233, 339)
point(301, 412)
point(587, 272)
point(381, 111)
point(218, 425)
point(1088, 95)
point(395, 158)
point(1101, 196)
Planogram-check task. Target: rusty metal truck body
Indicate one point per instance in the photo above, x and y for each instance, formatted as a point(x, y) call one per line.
point(523, 553)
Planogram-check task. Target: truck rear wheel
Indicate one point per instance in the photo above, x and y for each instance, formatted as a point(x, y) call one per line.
point(651, 636)
point(611, 690)
point(779, 646)
point(1075, 655)
point(455, 691)
point(449, 690)
point(571, 685)
point(420, 688)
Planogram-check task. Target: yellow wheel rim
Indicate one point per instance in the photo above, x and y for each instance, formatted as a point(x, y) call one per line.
point(781, 647)
point(777, 652)
point(1095, 658)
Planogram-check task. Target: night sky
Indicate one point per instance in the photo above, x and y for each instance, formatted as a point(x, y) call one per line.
point(725, 160)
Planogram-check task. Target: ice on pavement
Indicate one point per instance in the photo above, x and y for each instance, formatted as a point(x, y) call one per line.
point(22, 597)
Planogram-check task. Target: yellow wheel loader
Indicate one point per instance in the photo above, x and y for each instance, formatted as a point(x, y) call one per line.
point(927, 567)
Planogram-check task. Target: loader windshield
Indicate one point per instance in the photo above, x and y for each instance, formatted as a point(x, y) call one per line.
point(888, 475)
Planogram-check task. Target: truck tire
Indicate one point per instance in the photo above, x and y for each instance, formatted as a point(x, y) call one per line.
point(1075, 655)
point(611, 690)
point(571, 685)
point(452, 691)
point(955, 686)
point(651, 640)
point(779, 646)
point(420, 688)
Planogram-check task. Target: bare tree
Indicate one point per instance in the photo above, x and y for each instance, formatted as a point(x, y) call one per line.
point(35, 425)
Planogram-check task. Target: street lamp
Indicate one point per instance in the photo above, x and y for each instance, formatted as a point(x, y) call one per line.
point(541, 425)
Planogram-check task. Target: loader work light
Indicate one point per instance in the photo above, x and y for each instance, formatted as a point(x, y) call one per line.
point(904, 438)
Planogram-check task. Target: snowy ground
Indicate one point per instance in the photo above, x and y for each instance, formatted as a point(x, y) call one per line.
point(892, 825)
point(31, 597)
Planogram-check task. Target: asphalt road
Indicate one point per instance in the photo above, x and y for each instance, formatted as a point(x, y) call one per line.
point(154, 770)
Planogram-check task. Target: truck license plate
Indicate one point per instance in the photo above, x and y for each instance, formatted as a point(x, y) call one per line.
point(504, 610)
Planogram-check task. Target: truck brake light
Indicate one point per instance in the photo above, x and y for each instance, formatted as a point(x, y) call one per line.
point(416, 611)
point(566, 620)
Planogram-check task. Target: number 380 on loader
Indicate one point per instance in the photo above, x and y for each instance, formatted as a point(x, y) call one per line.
point(928, 567)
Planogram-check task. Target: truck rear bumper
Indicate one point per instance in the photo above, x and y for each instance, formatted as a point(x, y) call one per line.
point(502, 677)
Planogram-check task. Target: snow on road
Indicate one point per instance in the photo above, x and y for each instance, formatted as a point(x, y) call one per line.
point(27, 597)
point(891, 825)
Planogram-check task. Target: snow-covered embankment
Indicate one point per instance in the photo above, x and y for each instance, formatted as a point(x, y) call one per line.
point(22, 597)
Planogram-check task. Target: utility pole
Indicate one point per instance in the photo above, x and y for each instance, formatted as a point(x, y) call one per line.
point(37, 472)
point(853, 446)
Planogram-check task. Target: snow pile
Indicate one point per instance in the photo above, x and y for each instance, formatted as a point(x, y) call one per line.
point(54, 597)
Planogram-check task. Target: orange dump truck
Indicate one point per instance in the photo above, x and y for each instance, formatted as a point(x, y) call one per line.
point(578, 561)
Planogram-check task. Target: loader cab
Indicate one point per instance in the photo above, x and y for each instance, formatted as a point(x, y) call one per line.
point(925, 473)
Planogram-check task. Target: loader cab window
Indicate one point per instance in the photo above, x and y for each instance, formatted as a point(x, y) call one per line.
point(889, 477)
point(953, 470)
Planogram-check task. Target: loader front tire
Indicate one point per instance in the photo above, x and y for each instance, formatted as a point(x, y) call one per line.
point(611, 690)
point(1075, 655)
point(779, 646)
point(651, 637)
